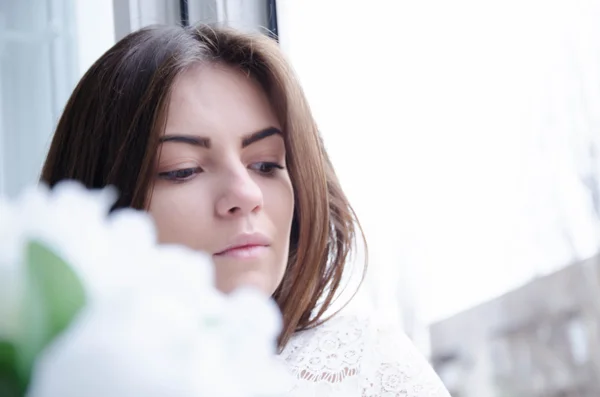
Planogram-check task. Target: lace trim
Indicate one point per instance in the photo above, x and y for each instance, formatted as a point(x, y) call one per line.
point(348, 357)
point(329, 353)
point(398, 369)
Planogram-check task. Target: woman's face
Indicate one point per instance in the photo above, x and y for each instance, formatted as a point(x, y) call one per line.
point(221, 183)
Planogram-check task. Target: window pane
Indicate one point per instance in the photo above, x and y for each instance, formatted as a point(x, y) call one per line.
point(37, 72)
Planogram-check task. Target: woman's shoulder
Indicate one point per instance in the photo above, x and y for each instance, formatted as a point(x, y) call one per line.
point(331, 350)
point(356, 355)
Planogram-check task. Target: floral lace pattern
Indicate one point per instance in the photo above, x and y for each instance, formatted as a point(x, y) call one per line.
point(349, 356)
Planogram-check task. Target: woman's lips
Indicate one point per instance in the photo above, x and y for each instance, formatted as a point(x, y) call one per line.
point(245, 246)
point(243, 252)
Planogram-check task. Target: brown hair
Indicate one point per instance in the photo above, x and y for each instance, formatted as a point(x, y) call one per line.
point(108, 135)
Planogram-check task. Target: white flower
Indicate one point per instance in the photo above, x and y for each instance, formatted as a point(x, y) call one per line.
point(68, 220)
point(112, 254)
point(128, 348)
point(154, 324)
point(252, 350)
point(158, 347)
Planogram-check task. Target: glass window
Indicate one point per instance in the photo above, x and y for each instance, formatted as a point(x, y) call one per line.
point(37, 73)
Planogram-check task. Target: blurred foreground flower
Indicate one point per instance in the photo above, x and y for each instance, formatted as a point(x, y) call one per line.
point(91, 305)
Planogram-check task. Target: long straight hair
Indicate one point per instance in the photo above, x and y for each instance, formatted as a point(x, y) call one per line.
point(108, 135)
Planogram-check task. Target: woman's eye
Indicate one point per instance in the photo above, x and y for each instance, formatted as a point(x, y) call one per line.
point(266, 168)
point(180, 175)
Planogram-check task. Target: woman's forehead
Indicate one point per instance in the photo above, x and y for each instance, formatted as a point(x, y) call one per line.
point(212, 98)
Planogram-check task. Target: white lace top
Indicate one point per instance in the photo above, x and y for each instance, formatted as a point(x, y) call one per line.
point(351, 357)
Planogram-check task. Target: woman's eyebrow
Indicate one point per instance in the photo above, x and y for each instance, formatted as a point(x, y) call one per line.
point(187, 139)
point(259, 135)
point(196, 140)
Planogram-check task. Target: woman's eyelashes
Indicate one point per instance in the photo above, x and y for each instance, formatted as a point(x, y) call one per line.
point(180, 175)
point(264, 168)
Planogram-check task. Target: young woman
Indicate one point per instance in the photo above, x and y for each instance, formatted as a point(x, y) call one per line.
point(208, 130)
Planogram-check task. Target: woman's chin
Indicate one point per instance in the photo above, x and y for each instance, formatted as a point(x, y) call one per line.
point(247, 279)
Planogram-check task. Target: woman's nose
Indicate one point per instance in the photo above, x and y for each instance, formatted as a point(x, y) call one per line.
point(241, 195)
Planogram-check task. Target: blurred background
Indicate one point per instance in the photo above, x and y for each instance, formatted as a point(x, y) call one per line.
point(465, 133)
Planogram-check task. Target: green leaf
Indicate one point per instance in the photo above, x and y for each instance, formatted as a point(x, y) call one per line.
point(10, 384)
point(54, 296)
